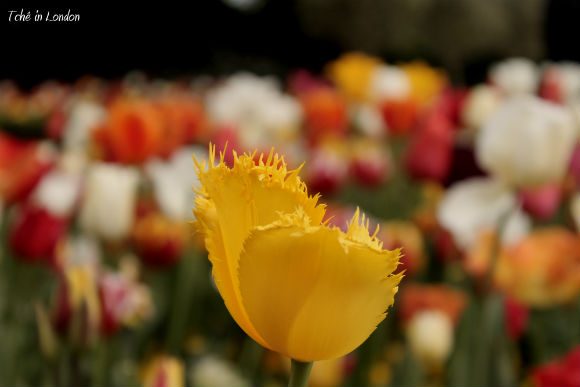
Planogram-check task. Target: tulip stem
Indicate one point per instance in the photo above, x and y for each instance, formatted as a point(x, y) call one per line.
point(300, 371)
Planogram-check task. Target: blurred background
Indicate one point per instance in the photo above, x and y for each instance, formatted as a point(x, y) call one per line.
point(453, 123)
point(275, 37)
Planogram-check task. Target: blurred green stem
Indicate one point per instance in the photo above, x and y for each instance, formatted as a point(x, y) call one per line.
point(299, 373)
point(251, 358)
point(186, 273)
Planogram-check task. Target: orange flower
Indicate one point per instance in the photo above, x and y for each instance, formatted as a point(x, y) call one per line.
point(325, 113)
point(132, 133)
point(399, 115)
point(542, 269)
point(417, 298)
point(184, 122)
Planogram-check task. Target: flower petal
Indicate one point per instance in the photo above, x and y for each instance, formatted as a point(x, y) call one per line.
point(231, 202)
point(314, 292)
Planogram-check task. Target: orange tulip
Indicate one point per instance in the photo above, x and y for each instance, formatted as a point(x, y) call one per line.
point(133, 132)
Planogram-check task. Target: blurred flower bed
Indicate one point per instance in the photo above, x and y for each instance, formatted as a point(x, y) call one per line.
point(104, 282)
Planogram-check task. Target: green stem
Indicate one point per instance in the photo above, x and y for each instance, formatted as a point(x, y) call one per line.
point(299, 373)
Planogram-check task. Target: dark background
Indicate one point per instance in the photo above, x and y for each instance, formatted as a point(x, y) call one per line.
point(210, 37)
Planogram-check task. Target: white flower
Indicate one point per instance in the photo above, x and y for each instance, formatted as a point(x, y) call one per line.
point(481, 102)
point(257, 108)
point(515, 76)
point(430, 336)
point(527, 142)
point(389, 82)
point(478, 204)
point(368, 120)
point(84, 116)
point(173, 182)
point(575, 209)
point(58, 192)
point(108, 208)
point(213, 372)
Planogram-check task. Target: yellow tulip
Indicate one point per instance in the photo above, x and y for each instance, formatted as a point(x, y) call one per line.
point(426, 82)
point(352, 73)
point(294, 284)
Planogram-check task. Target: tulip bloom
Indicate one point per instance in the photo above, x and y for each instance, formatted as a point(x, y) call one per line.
point(527, 142)
point(294, 284)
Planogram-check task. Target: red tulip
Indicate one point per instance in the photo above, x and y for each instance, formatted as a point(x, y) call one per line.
point(563, 372)
point(516, 318)
point(551, 86)
point(226, 136)
point(430, 150)
point(542, 202)
point(369, 164)
point(35, 234)
point(327, 170)
point(22, 165)
point(399, 115)
point(158, 240)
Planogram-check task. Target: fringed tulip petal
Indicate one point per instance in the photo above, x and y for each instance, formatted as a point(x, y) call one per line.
point(314, 292)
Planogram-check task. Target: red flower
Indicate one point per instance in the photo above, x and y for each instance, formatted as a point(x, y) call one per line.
point(415, 298)
point(563, 372)
point(369, 163)
point(516, 318)
point(22, 164)
point(551, 86)
point(327, 170)
point(227, 136)
point(399, 115)
point(35, 234)
point(542, 202)
point(158, 240)
point(430, 150)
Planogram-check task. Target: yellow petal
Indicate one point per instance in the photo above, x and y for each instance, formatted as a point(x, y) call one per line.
point(231, 202)
point(314, 292)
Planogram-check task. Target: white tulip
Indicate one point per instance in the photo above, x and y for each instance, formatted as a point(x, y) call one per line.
point(174, 182)
point(430, 337)
point(527, 142)
point(58, 192)
point(84, 116)
point(213, 372)
point(108, 208)
point(257, 108)
point(368, 120)
point(481, 102)
point(515, 76)
point(575, 209)
point(389, 82)
point(478, 204)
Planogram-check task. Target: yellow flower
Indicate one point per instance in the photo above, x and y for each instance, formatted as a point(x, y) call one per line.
point(294, 284)
point(426, 82)
point(352, 73)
